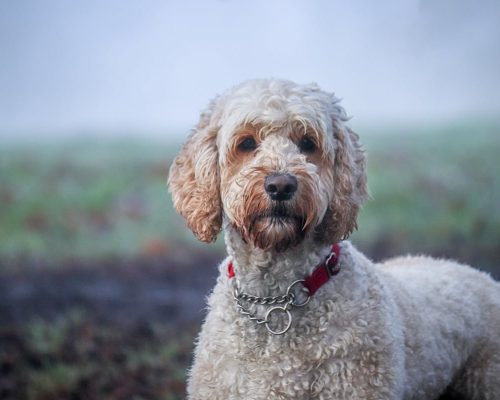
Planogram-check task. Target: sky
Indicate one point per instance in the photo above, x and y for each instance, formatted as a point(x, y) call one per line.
point(122, 65)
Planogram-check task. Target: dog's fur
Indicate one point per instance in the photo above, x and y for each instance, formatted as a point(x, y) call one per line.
point(411, 328)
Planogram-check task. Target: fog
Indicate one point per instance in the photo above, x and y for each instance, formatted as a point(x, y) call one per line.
point(151, 66)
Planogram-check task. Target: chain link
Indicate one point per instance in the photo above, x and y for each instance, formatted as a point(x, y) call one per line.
point(288, 299)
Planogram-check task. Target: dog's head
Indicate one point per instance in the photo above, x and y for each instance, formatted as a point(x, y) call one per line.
point(276, 161)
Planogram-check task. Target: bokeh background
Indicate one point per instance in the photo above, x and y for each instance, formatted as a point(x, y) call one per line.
point(101, 285)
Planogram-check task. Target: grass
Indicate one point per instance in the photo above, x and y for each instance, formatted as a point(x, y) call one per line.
point(435, 190)
point(78, 357)
point(86, 199)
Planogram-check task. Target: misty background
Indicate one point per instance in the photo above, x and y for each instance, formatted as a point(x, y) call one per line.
point(124, 66)
point(102, 285)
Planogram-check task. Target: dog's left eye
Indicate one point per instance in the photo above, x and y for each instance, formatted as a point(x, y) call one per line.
point(306, 145)
point(247, 144)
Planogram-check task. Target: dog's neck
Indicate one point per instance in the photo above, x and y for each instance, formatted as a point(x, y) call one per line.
point(268, 272)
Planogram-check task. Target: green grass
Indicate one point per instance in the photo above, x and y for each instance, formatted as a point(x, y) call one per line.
point(433, 188)
point(438, 188)
point(87, 199)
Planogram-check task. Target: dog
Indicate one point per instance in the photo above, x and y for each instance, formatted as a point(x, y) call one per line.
point(297, 312)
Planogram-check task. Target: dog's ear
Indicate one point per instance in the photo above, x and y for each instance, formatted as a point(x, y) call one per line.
point(194, 179)
point(349, 186)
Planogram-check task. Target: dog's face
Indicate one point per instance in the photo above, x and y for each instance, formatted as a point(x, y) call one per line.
point(275, 161)
point(275, 183)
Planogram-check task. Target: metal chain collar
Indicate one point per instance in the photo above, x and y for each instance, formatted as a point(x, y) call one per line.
point(288, 300)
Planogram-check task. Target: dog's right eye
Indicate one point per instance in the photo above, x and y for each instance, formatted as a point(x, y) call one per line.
point(247, 144)
point(307, 145)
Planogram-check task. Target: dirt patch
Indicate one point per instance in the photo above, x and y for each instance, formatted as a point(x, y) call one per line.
point(120, 291)
point(114, 329)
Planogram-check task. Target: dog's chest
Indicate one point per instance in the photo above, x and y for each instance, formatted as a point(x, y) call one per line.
point(247, 359)
point(329, 352)
point(314, 366)
point(273, 367)
point(241, 359)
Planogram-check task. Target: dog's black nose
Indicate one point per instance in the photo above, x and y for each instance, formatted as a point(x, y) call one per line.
point(280, 187)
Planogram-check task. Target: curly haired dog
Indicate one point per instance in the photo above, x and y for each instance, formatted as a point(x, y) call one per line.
point(275, 166)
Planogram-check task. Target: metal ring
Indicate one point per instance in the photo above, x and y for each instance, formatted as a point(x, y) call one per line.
point(304, 289)
point(287, 326)
point(308, 297)
point(293, 284)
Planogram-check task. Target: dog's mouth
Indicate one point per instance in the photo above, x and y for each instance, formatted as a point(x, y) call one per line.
point(278, 227)
point(279, 213)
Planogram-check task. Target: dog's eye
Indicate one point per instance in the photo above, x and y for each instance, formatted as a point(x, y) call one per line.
point(307, 145)
point(247, 144)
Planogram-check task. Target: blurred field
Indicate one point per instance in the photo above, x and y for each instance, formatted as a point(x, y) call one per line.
point(435, 190)
point(86, 199)
point(102, 286)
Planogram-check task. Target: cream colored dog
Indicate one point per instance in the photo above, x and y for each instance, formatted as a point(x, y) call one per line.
point(274, 165)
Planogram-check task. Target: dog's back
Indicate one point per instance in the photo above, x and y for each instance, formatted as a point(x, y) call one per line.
point(452, 320)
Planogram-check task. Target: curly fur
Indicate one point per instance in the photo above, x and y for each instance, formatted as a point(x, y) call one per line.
point(411, 328)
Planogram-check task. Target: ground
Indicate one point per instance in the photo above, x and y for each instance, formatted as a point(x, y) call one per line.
point(123, 329)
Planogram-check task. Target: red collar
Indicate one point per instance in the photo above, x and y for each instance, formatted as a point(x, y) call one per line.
point(321, 274)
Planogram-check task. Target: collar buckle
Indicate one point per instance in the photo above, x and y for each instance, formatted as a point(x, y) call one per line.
point(331, 263)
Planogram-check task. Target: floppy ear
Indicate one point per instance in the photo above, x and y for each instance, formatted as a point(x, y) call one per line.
point(349, 185)
point(194, 180)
